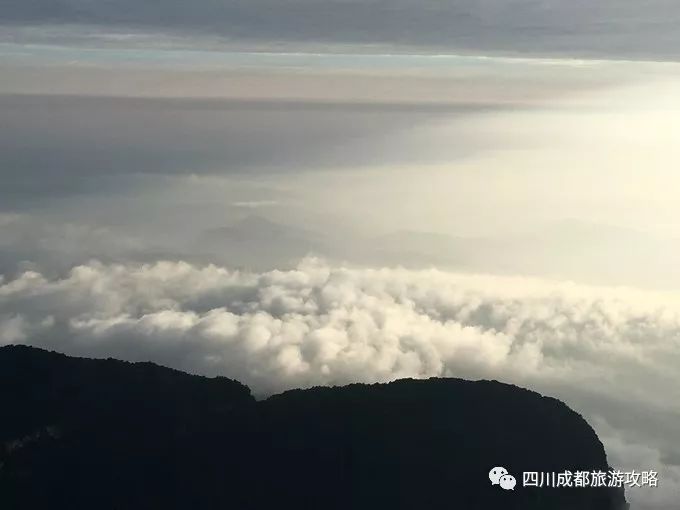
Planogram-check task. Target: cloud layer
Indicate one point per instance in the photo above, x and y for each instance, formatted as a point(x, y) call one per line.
point(611, 353)
point(319, 324)
point(623, 28)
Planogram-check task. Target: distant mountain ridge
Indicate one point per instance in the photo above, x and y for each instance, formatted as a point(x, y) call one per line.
point(80, 433)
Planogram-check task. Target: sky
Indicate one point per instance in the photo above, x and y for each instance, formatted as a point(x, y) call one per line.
point(304, 192)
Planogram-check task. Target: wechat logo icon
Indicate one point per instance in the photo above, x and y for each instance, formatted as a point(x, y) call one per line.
point(500, 476)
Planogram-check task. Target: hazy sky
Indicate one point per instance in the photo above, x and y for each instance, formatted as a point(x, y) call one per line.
point(607, 28)
point(320, 192)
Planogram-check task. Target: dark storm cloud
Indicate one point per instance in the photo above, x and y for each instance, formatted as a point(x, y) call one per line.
point(623, 28)
point(57, 146)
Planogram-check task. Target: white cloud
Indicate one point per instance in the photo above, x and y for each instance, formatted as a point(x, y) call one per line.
point(611, 353)
point(629, 456)
point(11, 329)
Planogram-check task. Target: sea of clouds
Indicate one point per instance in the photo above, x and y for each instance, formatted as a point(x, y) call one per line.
point(610, 353)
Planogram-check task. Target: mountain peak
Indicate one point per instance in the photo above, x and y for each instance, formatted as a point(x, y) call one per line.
point(81, 433)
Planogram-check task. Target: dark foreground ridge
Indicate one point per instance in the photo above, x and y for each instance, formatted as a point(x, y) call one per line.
point(106, 434)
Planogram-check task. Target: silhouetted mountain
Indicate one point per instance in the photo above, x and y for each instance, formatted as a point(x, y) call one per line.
point(106, 434)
